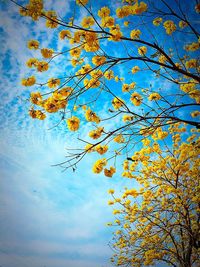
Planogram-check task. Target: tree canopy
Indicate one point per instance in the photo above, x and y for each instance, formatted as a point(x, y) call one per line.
point(131, 78)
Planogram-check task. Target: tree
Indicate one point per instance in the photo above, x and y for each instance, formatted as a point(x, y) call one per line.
point(160, 220)
point(133, 37)
point(139, 61)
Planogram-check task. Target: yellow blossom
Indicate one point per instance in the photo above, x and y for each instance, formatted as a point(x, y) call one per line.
point(42, 66)
point(109, 172)
point(194, 114)
point(47, 53)
point(142, 50)
point(53, 83)
point(51, 105)
point(33, 44)
point(111, 191)
point(35, 98)
point(104, 12)
point(116, 34)
point(75, 52)
point(32, 62)
point(126, 23)
point(117, 102)
point(111, 202)
point(87, 22)
point(135, 34)
point(65, 34)
point(101, 149)
point(182, 24)
point(192, 63)
point(89, 148)
point(99, 165)
point(81, 2)
point(136, 99)
point(157, 21)
point(91, 116)
point(119, 139)
point(169, 26)
point(51, 21)
point(73, 123)
point(154, 96)
point(135, 69)
point(95, 134)
point(98, 60)
point(109, 74)
point(29, 81)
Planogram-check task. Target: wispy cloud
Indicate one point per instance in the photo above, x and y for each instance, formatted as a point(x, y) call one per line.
point(48, 217)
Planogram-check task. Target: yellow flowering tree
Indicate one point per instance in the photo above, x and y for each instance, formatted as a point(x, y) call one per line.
point(159, 222)
point(137, 38)
point(134, 77)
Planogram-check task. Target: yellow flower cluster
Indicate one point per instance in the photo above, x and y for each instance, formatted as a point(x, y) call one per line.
point(58, 100)
point(167, 181)
point(182, 24)
point(116, 33)
point(135, 34)
point(73, 123)
point(47, 53)
point(109, 172)
point(29, 81)
point(51, 21)
point(169, 26)
point(75, 52)
point(52, 105)
point(142, 50)
point(92, 83)
point(157, 21)
point(42, 66)
point(53, 83)
point(159, 134)
point(98, 60)
point(127, 118)
point(99, 165)
point(91, 116)
point(109, 74)
point(127, 10)
point(32, 62)
point(192, 63)
point(65, 34)
point(81, 2)
point(119, 139)
point(154, 96)
point(117, 102)
point(192, 47)
point(136, 99)
point(34, 9)
point(87, 22)
point(37, 114)
point(135, 69)
point(89, 148)
point(95, 134)
point(101, 149)
point(36, 98)
point(33, 44)
point(191, 90)
point(104, 12)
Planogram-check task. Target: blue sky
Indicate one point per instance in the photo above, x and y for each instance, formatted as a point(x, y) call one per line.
point(47, 217)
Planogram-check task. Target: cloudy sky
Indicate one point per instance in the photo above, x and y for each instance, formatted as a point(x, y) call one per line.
point(47, 217)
